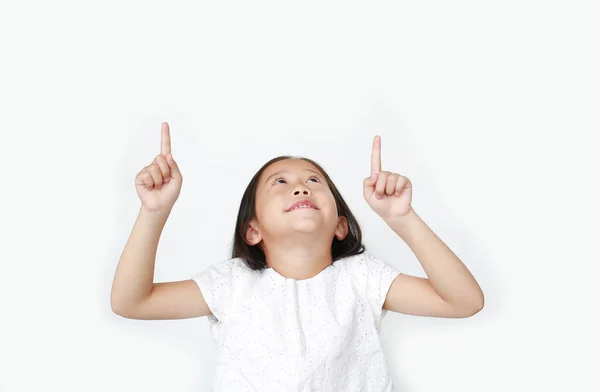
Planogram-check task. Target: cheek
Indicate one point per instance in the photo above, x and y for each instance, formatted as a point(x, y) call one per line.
point(263, 208)
point(331, 206)
point(260, 209)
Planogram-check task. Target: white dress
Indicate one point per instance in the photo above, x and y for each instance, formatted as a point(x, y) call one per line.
point(280, 334)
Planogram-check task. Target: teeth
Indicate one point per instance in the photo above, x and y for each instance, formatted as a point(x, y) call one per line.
point(302, 206)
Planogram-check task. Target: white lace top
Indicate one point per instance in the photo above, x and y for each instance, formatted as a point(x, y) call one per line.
point(280, 334)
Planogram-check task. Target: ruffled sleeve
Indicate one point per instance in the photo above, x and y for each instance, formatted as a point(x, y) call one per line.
point(374, 277)
point(219, 283)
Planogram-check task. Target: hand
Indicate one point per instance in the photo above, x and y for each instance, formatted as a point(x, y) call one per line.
point(389, 194)
point(158, 184)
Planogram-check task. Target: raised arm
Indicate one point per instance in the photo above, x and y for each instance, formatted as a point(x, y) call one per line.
point(134, 293)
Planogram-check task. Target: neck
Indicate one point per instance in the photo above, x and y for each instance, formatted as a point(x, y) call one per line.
point(298, 261)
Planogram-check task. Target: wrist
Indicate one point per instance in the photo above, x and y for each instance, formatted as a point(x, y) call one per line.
point(158, 214)
point(402, 224)
point(404, 219)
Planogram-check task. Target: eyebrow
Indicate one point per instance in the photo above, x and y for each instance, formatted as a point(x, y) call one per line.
point(286, 171)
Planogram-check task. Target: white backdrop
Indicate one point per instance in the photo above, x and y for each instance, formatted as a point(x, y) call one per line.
point(490, 108)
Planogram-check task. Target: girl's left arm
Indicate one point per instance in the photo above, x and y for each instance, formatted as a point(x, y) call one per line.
point(449, 291)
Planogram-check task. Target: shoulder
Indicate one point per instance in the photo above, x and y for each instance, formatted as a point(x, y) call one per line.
point(372, 276)
point(235, 268)
point(365, 264)
point(370, 273)
point(223, 283)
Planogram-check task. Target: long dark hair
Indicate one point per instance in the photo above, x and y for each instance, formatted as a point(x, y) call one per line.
point(254, 257)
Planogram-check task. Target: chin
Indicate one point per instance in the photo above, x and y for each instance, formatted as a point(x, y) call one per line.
point(307, 226)
point(304, 226)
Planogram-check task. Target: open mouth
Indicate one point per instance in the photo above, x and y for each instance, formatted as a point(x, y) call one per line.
point(302, 205)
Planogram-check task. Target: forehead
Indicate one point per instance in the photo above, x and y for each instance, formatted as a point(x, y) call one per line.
point(291, 165)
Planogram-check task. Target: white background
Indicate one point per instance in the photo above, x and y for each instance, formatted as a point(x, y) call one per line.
point(490, 108)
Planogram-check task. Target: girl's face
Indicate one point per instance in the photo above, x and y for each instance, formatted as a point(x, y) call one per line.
point(280, 186)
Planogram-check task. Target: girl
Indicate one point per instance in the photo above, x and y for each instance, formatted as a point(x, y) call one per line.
point(298, 305)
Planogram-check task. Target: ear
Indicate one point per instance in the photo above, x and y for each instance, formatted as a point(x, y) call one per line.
point(341, 231)
point(253, 236)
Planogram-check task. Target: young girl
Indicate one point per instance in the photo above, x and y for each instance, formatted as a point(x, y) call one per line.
point(298, 305)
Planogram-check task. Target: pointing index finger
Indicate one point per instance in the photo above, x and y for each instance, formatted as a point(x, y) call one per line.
point(165, 139)
point(376, 155)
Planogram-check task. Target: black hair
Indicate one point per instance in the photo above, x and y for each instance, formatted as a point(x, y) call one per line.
point(254, 257)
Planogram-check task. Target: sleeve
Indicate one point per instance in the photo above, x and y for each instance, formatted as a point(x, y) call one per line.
point(376, 277)
point(217, 284)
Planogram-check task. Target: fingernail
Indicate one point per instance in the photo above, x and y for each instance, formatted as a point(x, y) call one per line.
point(166, 179)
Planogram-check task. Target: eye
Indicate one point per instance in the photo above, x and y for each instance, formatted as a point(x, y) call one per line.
point(276, 181)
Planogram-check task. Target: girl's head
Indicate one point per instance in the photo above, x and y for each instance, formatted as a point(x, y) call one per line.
point(265, 219)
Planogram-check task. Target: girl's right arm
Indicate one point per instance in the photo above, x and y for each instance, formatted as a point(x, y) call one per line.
point(134, 293)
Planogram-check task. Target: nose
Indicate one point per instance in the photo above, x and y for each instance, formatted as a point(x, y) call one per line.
point(301, 188)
